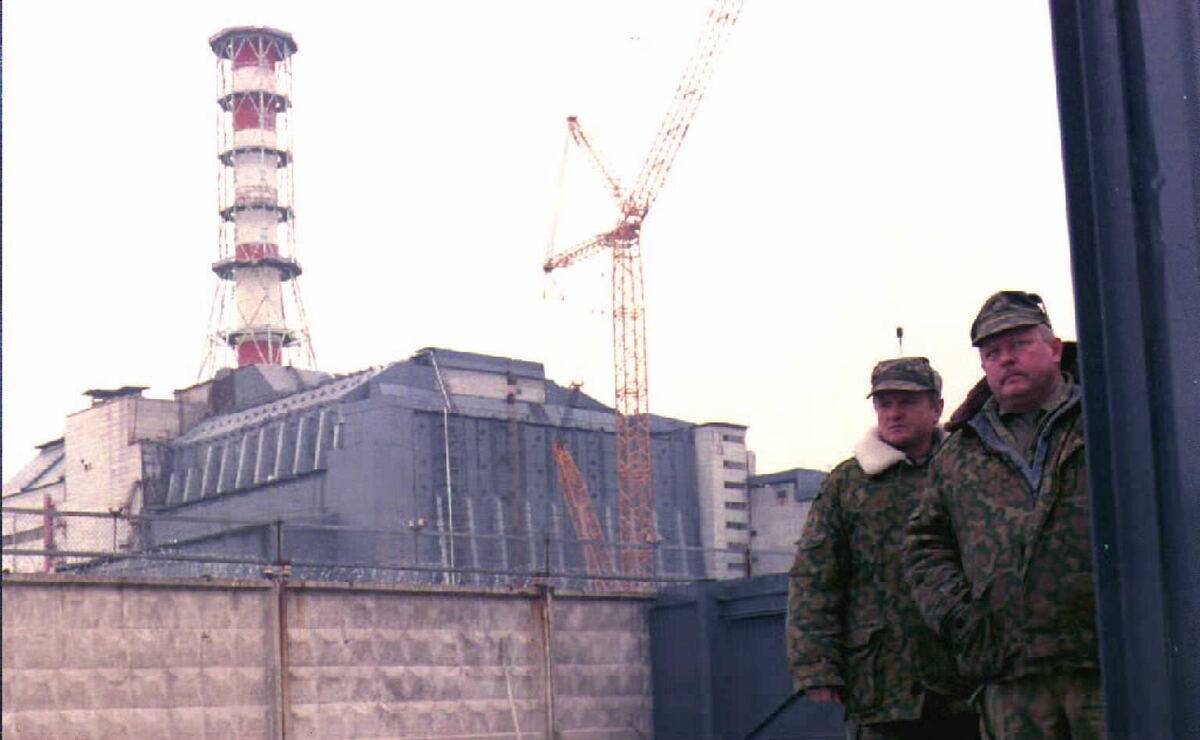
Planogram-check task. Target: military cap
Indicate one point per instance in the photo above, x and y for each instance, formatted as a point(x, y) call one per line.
point(1006, 310)
point(905, 374)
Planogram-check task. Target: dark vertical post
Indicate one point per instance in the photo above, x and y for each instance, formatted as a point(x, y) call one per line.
point(281, 694)
point(48, 524)
point(285, 696)
point(543, 610)
point(1128, 97)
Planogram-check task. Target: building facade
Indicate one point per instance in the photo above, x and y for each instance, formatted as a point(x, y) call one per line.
point(779, 504)
point(444, 459)
point(723, 467)
point(110, 455)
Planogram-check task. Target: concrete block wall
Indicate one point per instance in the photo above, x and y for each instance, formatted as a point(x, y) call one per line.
point(602, 683)
point(106, 659)
point(394, 663)
point(136, 658)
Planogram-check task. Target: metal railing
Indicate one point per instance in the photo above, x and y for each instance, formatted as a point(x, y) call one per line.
point(314, 548)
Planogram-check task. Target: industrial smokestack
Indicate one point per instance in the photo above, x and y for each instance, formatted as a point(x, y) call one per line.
point(259, 314)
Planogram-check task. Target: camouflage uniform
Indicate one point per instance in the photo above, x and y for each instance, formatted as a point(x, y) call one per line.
point(999, 558)
point(851, 624)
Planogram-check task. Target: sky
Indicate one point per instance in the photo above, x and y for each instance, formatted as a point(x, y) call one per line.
point(853, 167)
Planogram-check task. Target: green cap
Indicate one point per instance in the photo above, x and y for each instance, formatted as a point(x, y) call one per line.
point(905, 374)
point(1006, 310)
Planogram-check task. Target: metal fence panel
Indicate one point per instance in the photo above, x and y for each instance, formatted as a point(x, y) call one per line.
point(720, 668)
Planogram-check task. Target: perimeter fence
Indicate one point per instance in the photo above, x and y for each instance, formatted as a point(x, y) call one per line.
point(47, 540)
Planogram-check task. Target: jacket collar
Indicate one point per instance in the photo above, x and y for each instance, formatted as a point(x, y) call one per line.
point(875, 456)
point(1031, 473)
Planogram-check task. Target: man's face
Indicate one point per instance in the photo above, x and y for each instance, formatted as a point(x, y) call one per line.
point(1021, 366)
point(906, 418)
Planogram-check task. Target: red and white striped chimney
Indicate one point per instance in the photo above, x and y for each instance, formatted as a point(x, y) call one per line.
point(256, 261)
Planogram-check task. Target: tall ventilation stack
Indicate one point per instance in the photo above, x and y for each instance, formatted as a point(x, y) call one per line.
point(257, 312)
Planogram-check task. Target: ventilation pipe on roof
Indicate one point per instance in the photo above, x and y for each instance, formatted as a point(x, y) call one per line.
point(446, 448)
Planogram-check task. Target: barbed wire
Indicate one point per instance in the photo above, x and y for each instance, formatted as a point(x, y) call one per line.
point(119, 543)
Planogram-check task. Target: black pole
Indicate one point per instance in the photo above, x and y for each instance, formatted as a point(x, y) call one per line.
point(766, 721)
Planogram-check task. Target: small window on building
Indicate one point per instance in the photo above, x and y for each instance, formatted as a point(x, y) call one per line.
point(731, 465)
point(734, 484)
point(736, 525)
point(735, 438)
point(781, 496)
point(735, 505)
point(735, 566)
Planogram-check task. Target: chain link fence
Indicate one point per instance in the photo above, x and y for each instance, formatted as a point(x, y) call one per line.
point(46, 540)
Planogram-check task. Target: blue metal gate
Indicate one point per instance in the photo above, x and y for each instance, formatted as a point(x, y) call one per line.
point(717, 650)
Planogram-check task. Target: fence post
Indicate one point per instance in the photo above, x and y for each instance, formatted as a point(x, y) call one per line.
point(416, 525)
point(47, 533)
point(544, 609)
point(279, 542)
point(278, 575)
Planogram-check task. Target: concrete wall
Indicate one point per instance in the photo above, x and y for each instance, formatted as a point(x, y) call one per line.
point(103, 463)
point(777, 520)
point(493, 385)
point(113, 658)
point(779, 505)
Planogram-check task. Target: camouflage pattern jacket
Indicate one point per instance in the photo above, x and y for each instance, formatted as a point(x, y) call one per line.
point(850, 621)
point(998, 552)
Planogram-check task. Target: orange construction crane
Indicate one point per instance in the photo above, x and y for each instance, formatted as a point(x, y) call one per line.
point(582, 511)
point(635, 496)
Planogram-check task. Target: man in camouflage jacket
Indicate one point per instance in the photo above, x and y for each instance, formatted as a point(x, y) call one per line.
point(853, 633)
point(998, 552)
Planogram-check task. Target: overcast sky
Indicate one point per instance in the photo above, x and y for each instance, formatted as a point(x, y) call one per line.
point(854, 166)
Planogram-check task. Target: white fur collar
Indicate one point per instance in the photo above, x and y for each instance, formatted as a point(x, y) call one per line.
point(875, 455)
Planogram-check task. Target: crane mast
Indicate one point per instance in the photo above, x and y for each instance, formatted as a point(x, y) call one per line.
point(635, 495)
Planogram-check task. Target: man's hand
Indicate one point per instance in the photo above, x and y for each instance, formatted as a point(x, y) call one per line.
point(824, 693)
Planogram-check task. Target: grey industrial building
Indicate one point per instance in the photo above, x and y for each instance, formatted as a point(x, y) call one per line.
point(377, 468)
